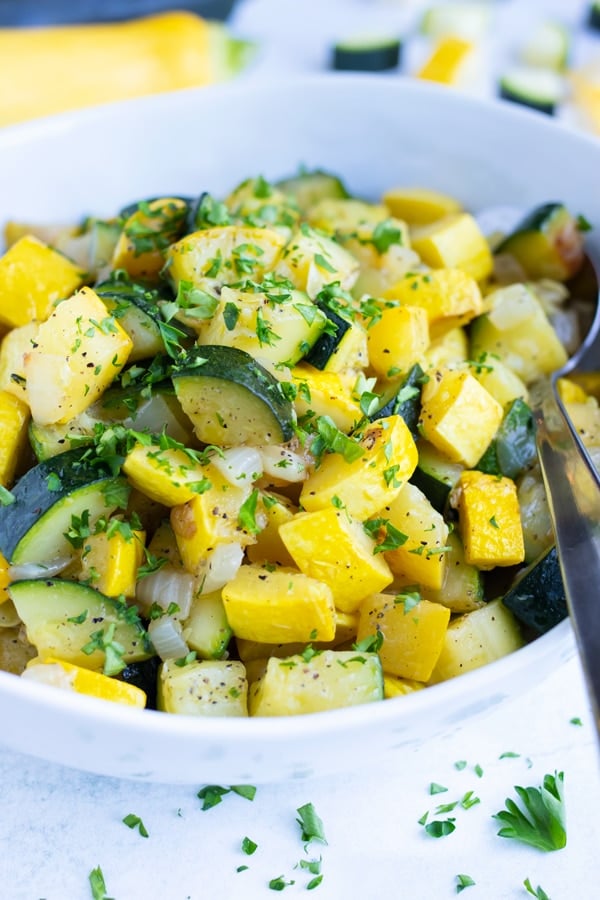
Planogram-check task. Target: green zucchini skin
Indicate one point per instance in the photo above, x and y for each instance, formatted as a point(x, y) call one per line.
point(143, 675)
point(512, 450)
point(537, 598)
point(593, 19)
point(409, 407)
point(538, 219)
point(375, 57)
point(127, 211)
point(308, 188)
point(32, 528)
point(228, 395)
point(511, 92)
point(327, 343)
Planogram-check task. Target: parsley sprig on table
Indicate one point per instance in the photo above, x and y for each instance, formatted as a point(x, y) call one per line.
point(541, 821)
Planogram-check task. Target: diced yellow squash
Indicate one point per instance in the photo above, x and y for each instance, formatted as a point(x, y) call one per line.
point(110, 563)
point(4, 580)
point(47, 234)
point(422, 557)
point(518, 331)
point(586, 419)
point(326, 395)
point(279, 605)
point(334, 548)
point(449, 350)
point(208, 519)
point(13, 348)
point(345, 215)
point(447, 62)
point(206, 629)
point(454, 242)
point(146, 234)
point(503, 384)
point(398, 339)
point(489, 520)
point(366, 484)
point(170, 477)
point(32, 278)
point(451, 297)
point(164, 544)
point(224, 255)
point(570, 392)
point(476, 639)
point(458, 415)
point(14, 416)
point(62, 674)
point(346, 626)
point(413, 633)
point(209, 687)
point(276, 509)
point(331, 679)
point(394, 686)
point(310, 261)
point(419, 206)
point(78, 352)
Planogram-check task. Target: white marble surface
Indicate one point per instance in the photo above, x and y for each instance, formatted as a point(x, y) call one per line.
point(57, 824)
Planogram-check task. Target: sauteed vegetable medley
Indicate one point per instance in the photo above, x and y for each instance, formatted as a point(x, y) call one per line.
point(273, 454)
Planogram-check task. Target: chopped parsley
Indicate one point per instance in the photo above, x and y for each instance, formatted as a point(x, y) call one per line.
point(249, 846)
point(384, 235)
point(440, 827)
point(540, 820)
point(212, 794)
point(97, 884)
point(279, 883)
point(462, 882)
point(104, 641)
point(310, 824)
point(133, 821)
point(6, 497)
point(247, 514)
point(435, 788)
point(538, 892)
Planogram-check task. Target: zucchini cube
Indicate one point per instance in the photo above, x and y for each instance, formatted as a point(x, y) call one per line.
point(413, 635)
point(334, 548)
point(422, 558)
point(311, 260)
point(454, 242)
point(32, 278)
point(489, 520)
point(146, 233)
point(210, 687)
point(458, 415)
point(280, 605)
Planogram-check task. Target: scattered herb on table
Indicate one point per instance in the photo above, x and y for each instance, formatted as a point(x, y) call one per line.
point(133, 821)
point(462, 882)
point(212, 794)
point(541, 821)
point(97, 884)
point(440, 827)
point(538, 892)
point(249, 846)
point(435, 788)
point(311, 824)
point(279, 883)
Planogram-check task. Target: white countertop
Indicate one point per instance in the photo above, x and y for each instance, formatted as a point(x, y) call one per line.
point(56, 824)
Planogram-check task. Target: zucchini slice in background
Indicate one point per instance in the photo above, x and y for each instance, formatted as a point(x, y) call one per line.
point(32, 529)
point(537, 598)
point(547, 242)
point(231, 399)
point(537, 88)
point(548, 46)
point(593, 19)
point(308, 188)
point(62, 617)
point(363, 54)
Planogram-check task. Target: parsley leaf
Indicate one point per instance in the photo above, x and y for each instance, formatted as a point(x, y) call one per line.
point(462, 882)
point(212, 794)
point(310, 823)
point(247, 514)
point(133, 821)
point(541, 821)
point(249, 846)
point(97, 884)
point(384, 235)
point(6, 497)
point(440, 827)
point(538, 892)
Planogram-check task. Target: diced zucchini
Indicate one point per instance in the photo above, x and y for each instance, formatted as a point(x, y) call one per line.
point(138, 317)
point(476, 639)
point(206, 629)
point(513, 448)
point(462, 588)
point(342, 345)
point(546, 242)
point(535, 514)
point(537, 598)
point(403, 399)
point(63, 617)
point(469, 20)
point(209, 687)
point(231, 399)
point(541, 89)
point(435, 474)
point(422, 556)
point(361, 54)
point(47, 498)
point(331, 679)
point(548, 46)
point(307, 188)
point(311, 260)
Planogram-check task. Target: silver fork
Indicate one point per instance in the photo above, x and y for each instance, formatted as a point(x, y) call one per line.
point(573, 488)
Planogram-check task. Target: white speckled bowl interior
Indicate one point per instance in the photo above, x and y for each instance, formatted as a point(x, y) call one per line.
point(375, 132)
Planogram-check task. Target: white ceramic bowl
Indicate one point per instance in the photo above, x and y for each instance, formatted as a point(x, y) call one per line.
point(375, 133)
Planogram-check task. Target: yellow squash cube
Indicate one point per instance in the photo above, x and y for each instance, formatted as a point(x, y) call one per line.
point(448, 61)
point(422, 558)
point(208, 519)
point(4, 580)
point(170, 477)
point(110, 563)
point(449, 350)
point(276, 509)
point(393, 686)
point(14, 416)
point(59, 673)
point(331, 679)
point(454, 242)
point(501, 382)
point(310, 261)
point(32, 278)
point(346, 626)
point(78, 352)
point(278, 606)
point(13, 348)
point(148, 231)
point(419, 206)
point(450, 297)
point(334, 548)
point(458, 415)
point(326, 395)
point(489, 520)
point(366, 484)
point(413, 632)
point(398, 339)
